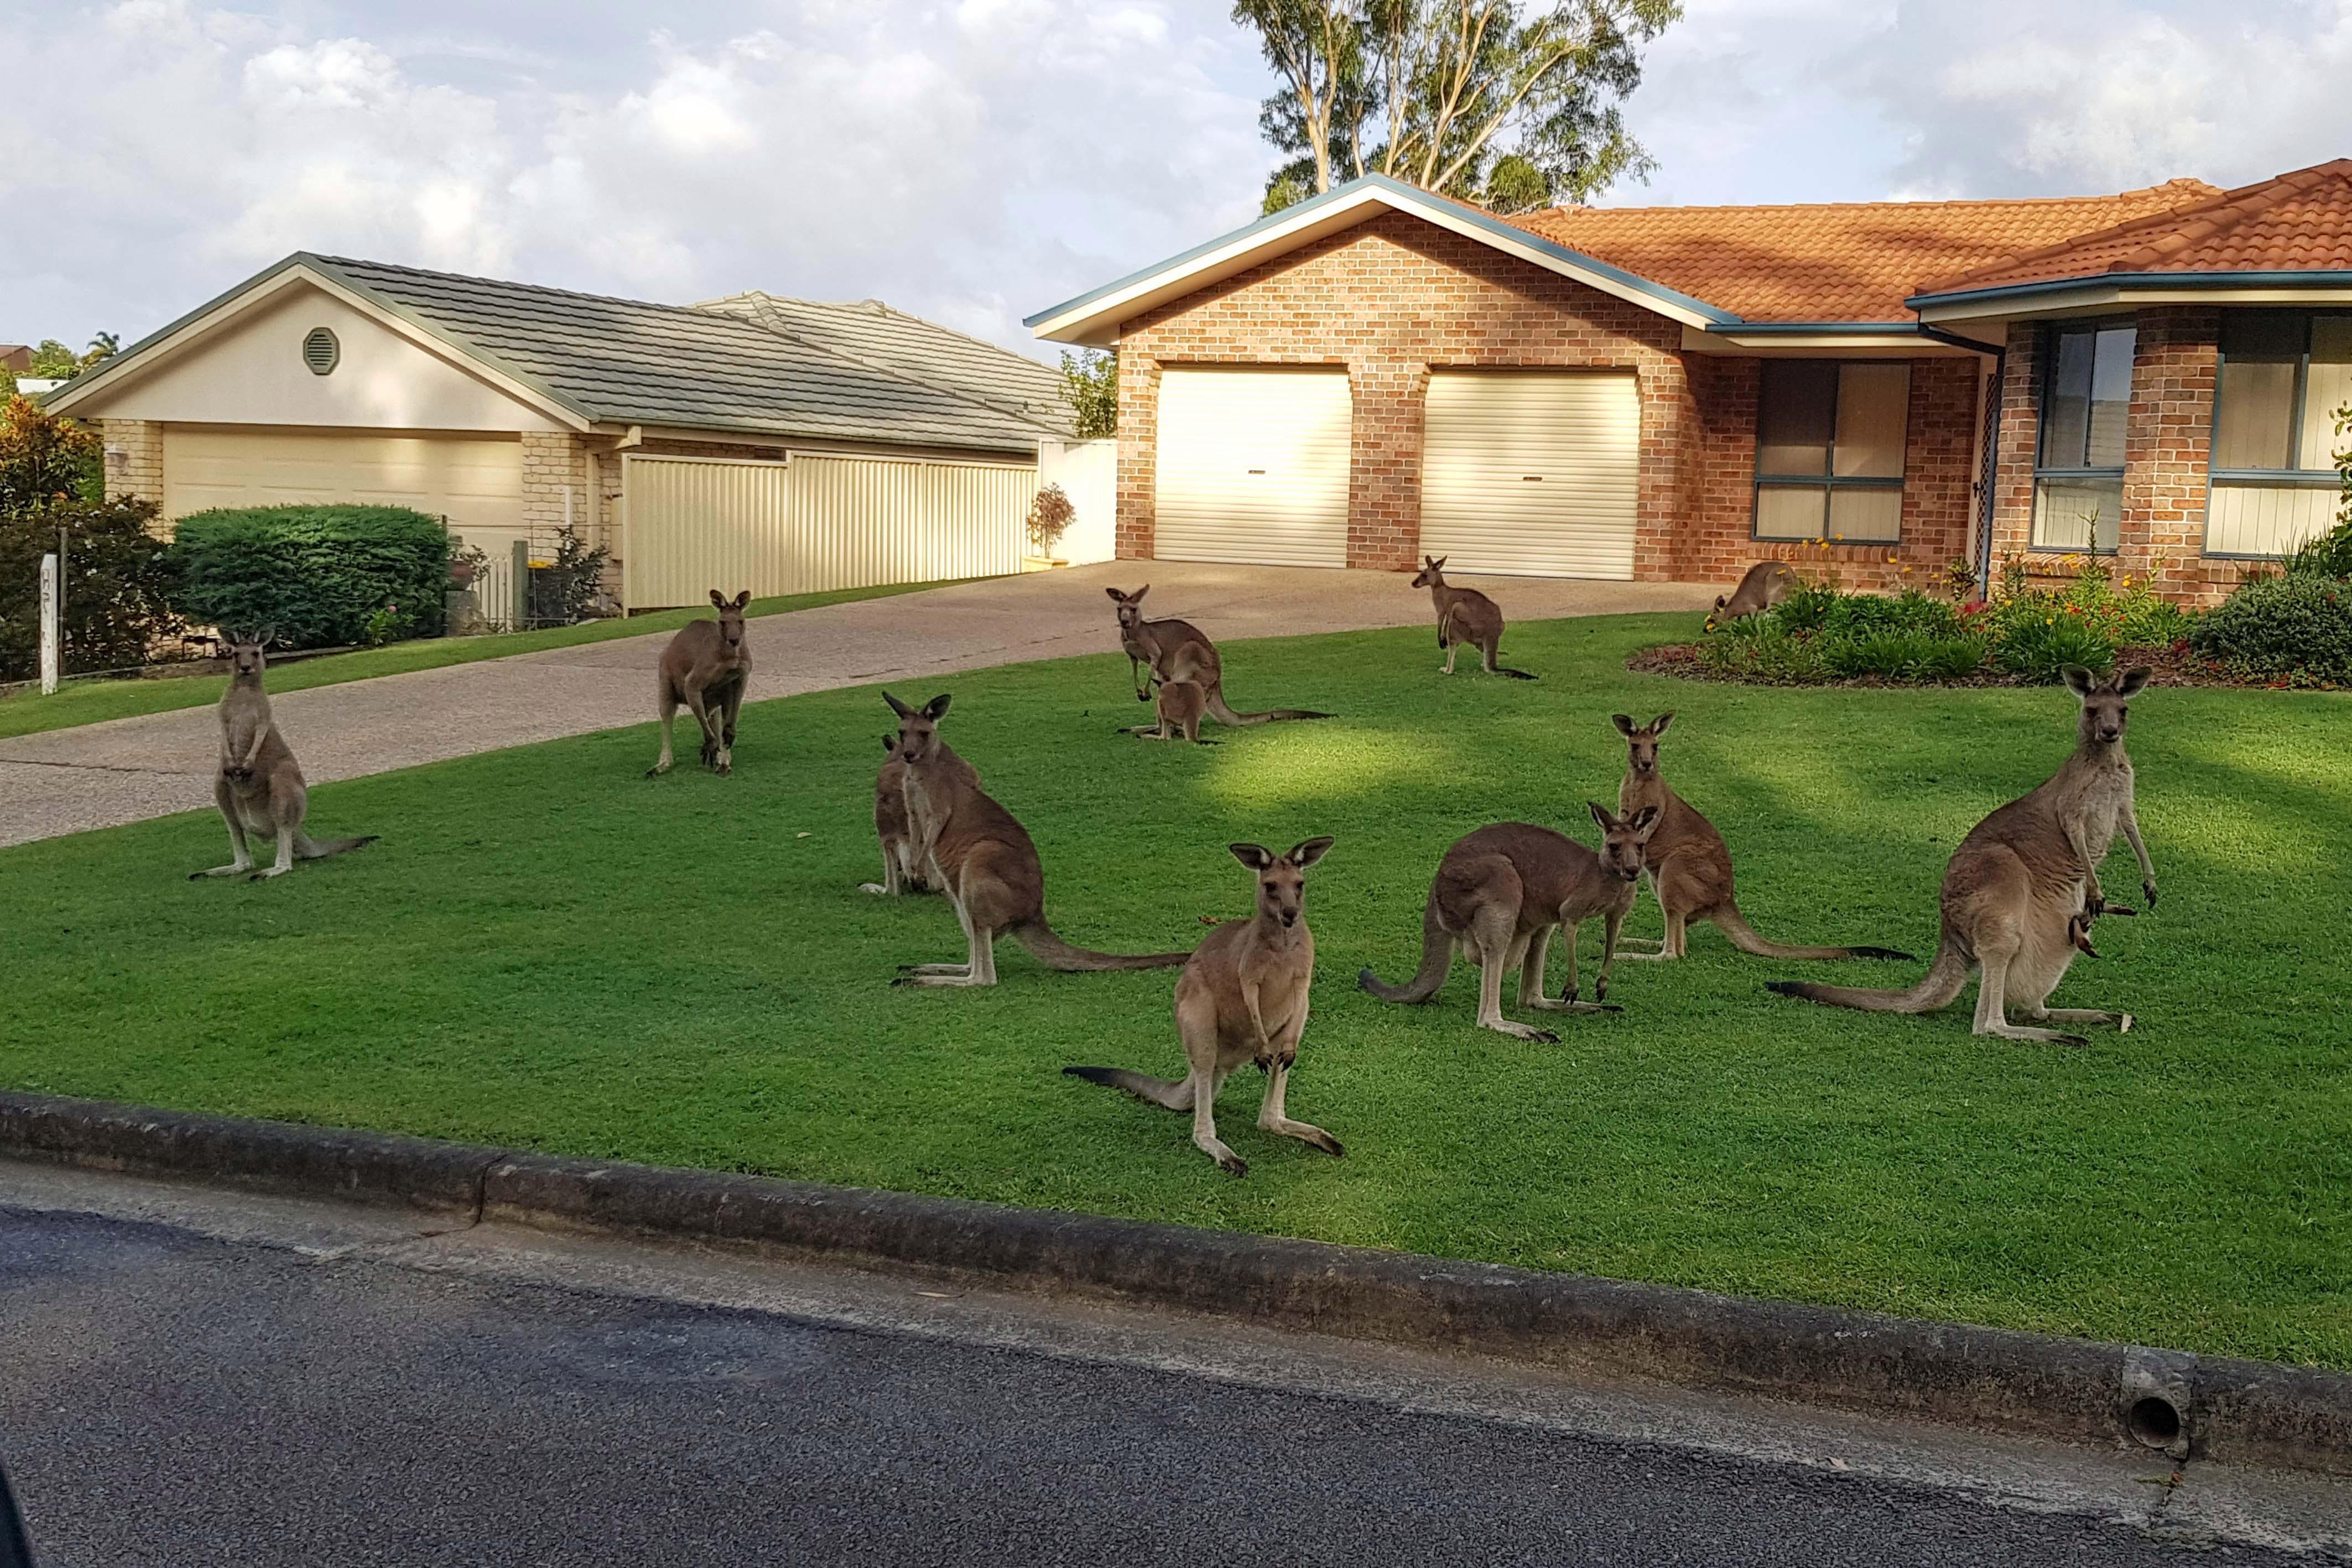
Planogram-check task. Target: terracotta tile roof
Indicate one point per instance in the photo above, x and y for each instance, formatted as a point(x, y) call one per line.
point(1844, 261)
point(2300, 222)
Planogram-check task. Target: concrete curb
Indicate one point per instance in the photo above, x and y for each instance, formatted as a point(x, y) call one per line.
point(2168, 1402)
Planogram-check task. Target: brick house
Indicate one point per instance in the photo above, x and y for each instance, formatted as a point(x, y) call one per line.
point(1675, 392)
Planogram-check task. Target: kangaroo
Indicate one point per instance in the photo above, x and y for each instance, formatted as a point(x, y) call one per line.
point(1767, 583)
point(1167, 651)
point(1499, 895)
point(1181, 705)
point(706, 666)
point(1241, 998)
point(1690, 865)
point(259, 788)
point(971, 849)
point(900, 872)
point(2020, 892)
point(1464, 615)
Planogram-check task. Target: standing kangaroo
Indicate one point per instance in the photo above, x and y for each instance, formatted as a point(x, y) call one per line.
point(971, 849)
point(259, 789)
point(1464, 615)
point(706, 666)
point(1767, 583)
point(900, 872)
point(1499, 895)
point(1181, 705)
point(1690, 865)
point(1168, 650)
point(2020, 892)
point(1241, 998)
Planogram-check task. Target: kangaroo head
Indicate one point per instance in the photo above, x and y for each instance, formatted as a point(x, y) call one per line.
point(1433, 572)
point(1281, 879)
point(730, 617)
point(919, 728)
point(249, 656)
point(1625, 840)
point(2106, 704)
point(1715, 617)
point(1641, 742)
point(1131, 606)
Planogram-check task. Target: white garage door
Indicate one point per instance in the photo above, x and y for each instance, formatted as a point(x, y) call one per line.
point(1253, 466)
point(476, 483)
point(1532, 474)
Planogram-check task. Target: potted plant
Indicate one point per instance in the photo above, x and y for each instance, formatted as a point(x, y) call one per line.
point(1050, 517)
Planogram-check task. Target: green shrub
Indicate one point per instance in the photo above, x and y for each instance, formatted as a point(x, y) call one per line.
point(2329, 555)
point(2295, 625)
point(2040, 648)
point(318, 577)
point(117, 585)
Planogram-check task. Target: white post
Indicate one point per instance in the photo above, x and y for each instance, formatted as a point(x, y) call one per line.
point(52, 625)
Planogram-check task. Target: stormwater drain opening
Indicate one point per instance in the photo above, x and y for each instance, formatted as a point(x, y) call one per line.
point(2154, 1423)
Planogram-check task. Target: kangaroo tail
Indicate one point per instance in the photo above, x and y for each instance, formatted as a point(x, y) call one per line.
point(1734, 925)
point(1436, 956)
point(1055, 954)
point(1515, 675)
point(318, 850)
point(1945, 978)
point(1225, 715)
point(1156, 1091)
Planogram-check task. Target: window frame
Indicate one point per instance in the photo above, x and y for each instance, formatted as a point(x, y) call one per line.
point(1828, 481)
point(2047, 380)
point(2263, 478)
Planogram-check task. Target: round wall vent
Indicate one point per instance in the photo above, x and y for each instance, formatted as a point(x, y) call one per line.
point(320, 350)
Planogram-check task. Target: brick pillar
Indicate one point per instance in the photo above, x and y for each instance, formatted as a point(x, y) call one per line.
point(1392, 404)
point(1670, 486)
point(553, 461)
point(2167, 443)
point(1139, 457)
point(134, 458)
point(2020, 432)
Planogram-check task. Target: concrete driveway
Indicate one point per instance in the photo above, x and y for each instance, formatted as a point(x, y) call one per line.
point(128, 770)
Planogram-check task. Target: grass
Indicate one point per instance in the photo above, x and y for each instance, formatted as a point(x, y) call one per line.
point(548, 951)
point(91, 701)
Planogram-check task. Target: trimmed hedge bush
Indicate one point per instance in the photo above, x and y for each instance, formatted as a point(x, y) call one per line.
point(2298, 626)
point(320, 577)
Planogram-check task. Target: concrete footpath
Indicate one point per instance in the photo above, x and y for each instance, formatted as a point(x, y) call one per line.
point(128, 769)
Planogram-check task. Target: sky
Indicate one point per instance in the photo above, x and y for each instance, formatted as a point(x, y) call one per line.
point(976, 161)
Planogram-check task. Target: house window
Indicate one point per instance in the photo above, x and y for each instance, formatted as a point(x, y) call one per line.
point(2078, 469)
point(1829, 450)
point(2285, 374)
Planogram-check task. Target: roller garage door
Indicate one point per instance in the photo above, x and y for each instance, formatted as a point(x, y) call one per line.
point(1253, 466)
point(1532, 473)
point(475, 482)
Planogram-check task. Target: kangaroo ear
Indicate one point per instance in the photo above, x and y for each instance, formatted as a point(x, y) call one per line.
point(2132, 681)
point(1257, 857)
point(1624, 723)
point(1136, 597)
point(718, 598)
point(901, 709)
point(1115, 596)
point(1720, 601)
point(1645, 820)
point(937, 706)
point(1658, 725)
point(1439, 561)
point(1306, 854)
point(890, 744)
point(2080, 681)
point(1601, 815)
point(742, 599)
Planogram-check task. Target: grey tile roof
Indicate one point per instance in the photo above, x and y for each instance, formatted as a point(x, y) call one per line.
point(625, 362)
point(880, 338)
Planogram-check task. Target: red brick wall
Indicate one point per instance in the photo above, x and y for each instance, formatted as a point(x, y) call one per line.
point(1395, 295)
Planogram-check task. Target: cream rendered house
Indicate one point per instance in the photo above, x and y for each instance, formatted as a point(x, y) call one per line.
point(776, 445)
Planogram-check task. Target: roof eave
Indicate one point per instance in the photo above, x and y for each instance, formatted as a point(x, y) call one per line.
point(1876, 339)
point(2092, 290)
point(1094, 318)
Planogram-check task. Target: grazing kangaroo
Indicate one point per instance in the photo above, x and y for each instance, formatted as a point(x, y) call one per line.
point(1464, 615)
point(1181, 705)
point(706, 666)
point(1241, 998)
point(971, 849)
point(1767, 583)
point(259, 789)
point(1499, 895)
point(1167, 651)
point(2020, 892)
point(1690, 865)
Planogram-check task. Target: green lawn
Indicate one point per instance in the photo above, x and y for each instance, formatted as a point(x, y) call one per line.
point(548, 950)
point(87, 702)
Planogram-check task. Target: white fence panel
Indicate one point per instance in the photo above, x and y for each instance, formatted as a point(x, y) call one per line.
point(693, 524)
point(864, 521)
point(1087, 472)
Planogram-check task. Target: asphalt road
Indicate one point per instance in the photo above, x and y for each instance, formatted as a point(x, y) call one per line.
point(168, 1397)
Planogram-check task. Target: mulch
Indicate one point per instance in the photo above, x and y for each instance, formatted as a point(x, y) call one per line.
point(2176, 667)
